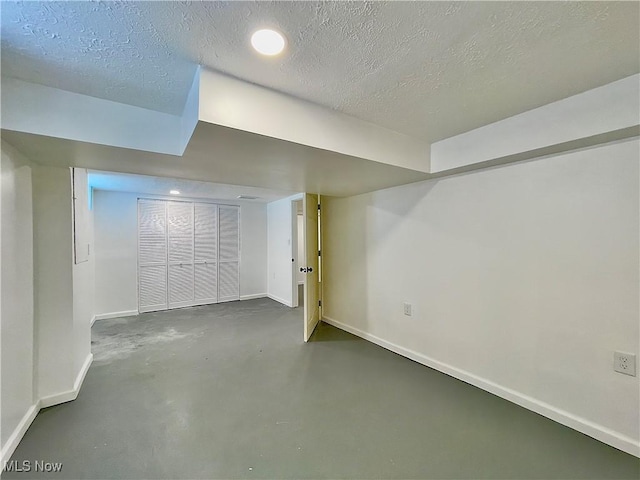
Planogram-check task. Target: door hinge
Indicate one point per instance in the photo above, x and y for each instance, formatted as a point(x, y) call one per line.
point(319, 303)
point(319, 253)
point(318, 207)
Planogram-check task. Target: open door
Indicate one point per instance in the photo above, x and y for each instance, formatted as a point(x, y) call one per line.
point(311, 283)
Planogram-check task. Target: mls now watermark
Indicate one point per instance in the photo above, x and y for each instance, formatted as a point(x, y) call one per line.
point(29, 466)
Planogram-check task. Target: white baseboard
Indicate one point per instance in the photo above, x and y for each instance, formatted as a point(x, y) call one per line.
point(254, 296)
point(105, 316)
point(69, 395)
point(280, 300)
point(594, 430)
point(18, 433)
point(29, 417)
point(77, 385)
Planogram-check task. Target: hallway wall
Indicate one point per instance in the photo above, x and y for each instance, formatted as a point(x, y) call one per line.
point(523, 281)
point(83, 274)
point(63, 290)
point(17, 349)
point(46, 301)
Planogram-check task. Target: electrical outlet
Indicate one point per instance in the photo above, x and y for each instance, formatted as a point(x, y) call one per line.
point(624, 363)
point(407, 309)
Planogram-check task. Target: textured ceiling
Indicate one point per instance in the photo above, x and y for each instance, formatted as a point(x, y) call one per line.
point(427, 69)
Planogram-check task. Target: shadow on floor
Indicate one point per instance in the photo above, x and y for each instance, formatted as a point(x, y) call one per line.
point(328, 333)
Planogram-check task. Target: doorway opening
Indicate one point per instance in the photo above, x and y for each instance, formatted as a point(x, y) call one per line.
point(298, 254)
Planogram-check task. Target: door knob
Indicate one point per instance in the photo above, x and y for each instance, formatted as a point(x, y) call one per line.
point(309, 269)
point(302, 269)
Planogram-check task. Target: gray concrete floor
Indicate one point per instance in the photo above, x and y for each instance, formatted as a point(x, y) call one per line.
point(231, 391)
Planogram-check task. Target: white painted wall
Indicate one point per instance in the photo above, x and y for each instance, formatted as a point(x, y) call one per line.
point(83, 275)
point(46, 299)
point(53, 260)
point(523, 279)
point(253, 250)
point(17, 293)
point(280, 278)
point(234, 103)
point(31, 108)
point(115, 231)
point(608, 108)
point(189, 118)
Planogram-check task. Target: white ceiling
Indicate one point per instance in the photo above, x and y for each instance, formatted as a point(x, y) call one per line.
point(427, 69)
point(227, 156)
point(150, 185)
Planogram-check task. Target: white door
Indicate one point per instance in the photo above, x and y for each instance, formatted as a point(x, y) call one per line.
point(229, 253)
point(311, 284)
point(152, 255)
point(181, 264)
point(206, 253)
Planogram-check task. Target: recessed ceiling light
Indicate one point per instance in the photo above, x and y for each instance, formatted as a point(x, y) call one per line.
point(174, 192)
point(267, 42)
point(247, 197)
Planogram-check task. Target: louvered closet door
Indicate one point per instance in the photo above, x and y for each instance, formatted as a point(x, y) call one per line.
point(181, 265)
point(229, 254)
point(152, 255)
point(206, 253)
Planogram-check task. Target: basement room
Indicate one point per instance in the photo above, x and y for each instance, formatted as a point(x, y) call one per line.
point(320, 240)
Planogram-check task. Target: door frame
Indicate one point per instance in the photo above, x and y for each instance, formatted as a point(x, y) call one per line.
point(295, 261)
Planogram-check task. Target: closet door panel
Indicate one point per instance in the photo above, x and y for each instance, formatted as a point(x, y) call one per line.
point(180, 216)
point(229, 251)
point(152, 232)
point(152, 288)
point(181, 250)
point(206, 282)
point(180, 285)
point(229, 234)
point(206, 253)
point(229, 285)
point(181, 261)
point(152, 249)
point(206, 232)
point(152, 255)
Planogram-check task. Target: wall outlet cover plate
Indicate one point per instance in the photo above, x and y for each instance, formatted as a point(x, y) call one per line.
point(624, 363)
